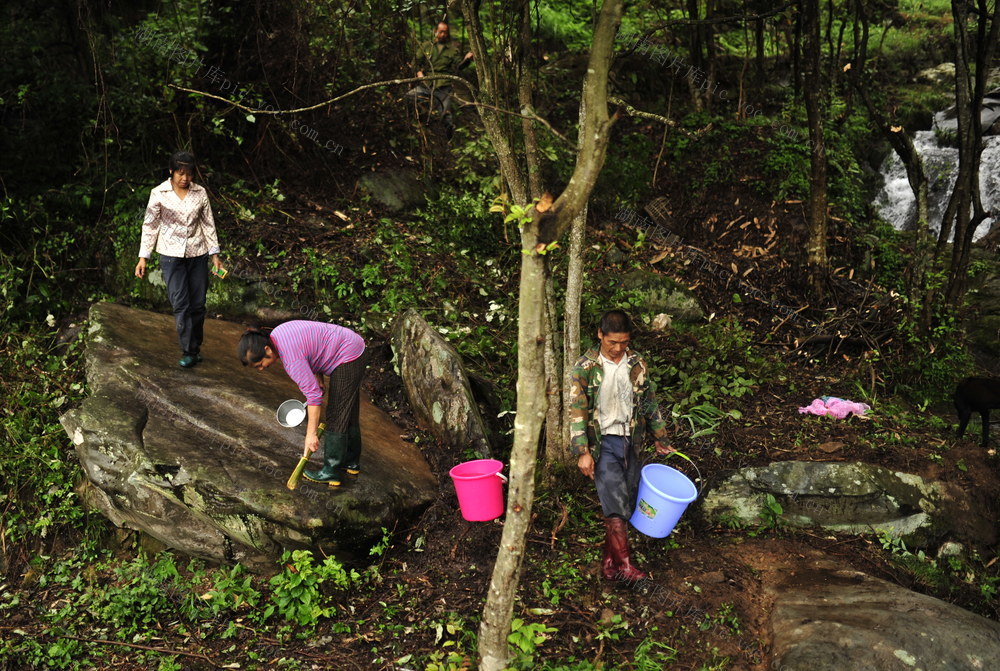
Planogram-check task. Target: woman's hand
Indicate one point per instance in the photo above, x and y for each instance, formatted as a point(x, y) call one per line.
point(217, 263)
point(140, 268)
point(312, 441)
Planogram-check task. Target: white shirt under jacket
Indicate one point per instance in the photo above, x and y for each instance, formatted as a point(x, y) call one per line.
point(614, 398)
point(178, 227)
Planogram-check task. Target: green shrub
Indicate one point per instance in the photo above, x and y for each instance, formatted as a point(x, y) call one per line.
point(296, 594)
point(721, 366)
point(39, 380)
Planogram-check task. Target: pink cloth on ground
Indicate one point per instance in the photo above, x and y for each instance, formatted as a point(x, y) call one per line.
point(835, 407)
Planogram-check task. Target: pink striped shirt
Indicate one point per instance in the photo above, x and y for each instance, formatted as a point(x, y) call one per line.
point(307, 348)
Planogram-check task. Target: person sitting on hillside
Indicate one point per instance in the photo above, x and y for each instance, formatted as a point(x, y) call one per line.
point(442, 55)
point(612, 406)
point(308, 350)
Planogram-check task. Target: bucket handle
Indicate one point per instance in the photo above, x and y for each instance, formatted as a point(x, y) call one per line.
point(690, 461)
point(502, 476)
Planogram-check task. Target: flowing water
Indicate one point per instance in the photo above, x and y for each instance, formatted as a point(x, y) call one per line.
point(896, 203)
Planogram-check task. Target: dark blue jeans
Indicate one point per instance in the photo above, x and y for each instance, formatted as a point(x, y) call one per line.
point(616, 475)
point(187, 284)
point(441, 95)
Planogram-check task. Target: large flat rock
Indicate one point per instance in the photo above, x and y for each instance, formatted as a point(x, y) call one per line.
point(831, 618)
point(195, 458)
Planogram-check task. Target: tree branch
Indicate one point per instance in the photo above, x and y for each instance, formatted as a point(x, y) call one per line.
point(530, 117)
point(165, 651)
point(656, 117)
point(594, 134)
point(372, 85)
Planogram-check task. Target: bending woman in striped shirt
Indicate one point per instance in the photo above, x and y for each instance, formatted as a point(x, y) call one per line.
point(308, 350)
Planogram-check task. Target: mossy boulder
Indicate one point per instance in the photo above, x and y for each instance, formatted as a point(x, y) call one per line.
point(395, 190)
point(660, 294)
point(195, 458)
point(438, 386)
point(854, 498)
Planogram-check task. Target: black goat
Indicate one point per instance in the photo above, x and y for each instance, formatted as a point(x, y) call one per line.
point(980, 394)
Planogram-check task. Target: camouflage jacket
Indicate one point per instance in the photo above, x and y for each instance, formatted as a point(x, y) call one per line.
point(445, 60)
point(584, 428)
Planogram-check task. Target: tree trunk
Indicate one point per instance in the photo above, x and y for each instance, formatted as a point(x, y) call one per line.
point(758, 33)
point(795, 47)
point(555, 450)
point(549, 220)
point(499, 609)
point(965, 207)
point(571, 315)
point(695, 34)
point(525, 87)
point(902, 144)
point(571, 320)
point(813, 88)
point(490, 82)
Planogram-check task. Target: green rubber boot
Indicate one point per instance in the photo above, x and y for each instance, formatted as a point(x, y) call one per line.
point(334, 446)
point(353, 456)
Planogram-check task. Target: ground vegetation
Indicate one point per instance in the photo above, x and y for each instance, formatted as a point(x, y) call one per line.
point(706, 183)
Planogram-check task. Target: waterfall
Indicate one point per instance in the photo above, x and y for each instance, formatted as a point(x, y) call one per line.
point(896, 203)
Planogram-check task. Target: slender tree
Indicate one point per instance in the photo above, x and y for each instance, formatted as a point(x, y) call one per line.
point(973, 58)
point(541, 226)
point(902, 143)
point(813, 92)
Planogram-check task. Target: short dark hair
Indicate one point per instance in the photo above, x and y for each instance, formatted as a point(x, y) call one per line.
point(250, 348)
point(183, 159)
point(616, 321)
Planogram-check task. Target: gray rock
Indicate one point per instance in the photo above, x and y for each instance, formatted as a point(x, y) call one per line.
point(662, 294)
point(396, 190)
point(939, 74)
point(989, 113)
point(842, 497)
point(195, 458)
point(437, 386)
point(951, 549)
point(830, 619)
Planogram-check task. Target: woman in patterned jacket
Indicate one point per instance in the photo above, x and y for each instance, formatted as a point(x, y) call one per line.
point(180, 227)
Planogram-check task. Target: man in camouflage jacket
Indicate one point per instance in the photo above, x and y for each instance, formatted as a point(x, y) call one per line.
point(440, 56)
point(612, 406)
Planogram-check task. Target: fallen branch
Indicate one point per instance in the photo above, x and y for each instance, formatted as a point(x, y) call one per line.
point(389, 82)
point(530, 117)
point(165, 651)
point(563, 518)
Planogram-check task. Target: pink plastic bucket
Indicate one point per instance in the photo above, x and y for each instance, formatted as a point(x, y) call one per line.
point(479, 485)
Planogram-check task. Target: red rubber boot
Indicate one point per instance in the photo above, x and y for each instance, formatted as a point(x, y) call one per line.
point(609, 567)
point(620, 554)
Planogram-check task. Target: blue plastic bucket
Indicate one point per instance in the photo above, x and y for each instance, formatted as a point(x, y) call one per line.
point(664, 495)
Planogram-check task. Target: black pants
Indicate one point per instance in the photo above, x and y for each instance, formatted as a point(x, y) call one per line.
point(438, 98)
point(187, 284)
point(343, 402)
point(616, 475)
